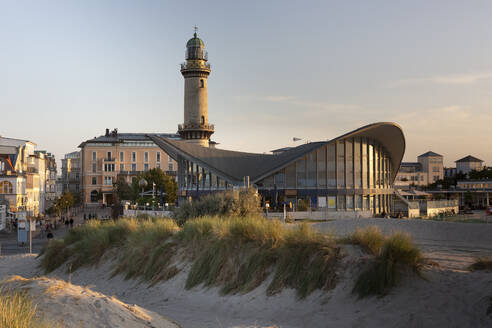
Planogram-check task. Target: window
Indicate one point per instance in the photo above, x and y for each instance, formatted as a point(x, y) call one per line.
point(93, 155)
point(290, 176)
point(108, 181)
point(146, 156)
point(311, 170)
point(108, 155)
point(146, 167)
point(158, 156)
point(349, 165)
point(331, 167)
point(94, 196)
point(108, 167)
point(122, 167)
point(170, 166)
point(122, 156)
point(203, 120)
point(134, 156)
point(341, 166)
point(158, 165)
point(321, 167)
point(94, 168)
point(94, 180)
point(6, 188)
point(134, 167)
point(301, 172)
point(202, 83)
point(357, 166)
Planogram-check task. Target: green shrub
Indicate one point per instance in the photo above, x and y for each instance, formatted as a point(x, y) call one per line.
point(481, 264)
point(226, 204)
point(53, 255)
point(398, 254)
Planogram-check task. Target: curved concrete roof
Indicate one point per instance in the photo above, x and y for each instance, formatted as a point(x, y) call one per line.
point(234, 165)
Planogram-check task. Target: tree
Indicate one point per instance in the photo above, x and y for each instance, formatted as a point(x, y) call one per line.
point(64, 202)
point(162, 181)
point(124, 190)
point(485, 173)
point(155, 176)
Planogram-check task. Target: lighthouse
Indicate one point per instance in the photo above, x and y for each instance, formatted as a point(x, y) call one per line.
point(196, 128)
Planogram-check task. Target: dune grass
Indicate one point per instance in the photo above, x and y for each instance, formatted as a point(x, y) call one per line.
point(370, 239)
point(397, 255)
point(482, 263)
point(236, 254)
point(17, 310)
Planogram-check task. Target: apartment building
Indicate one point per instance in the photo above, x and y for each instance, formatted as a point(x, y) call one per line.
point(106, 158)
point(469, 163)
point(27, 176)
point(70, 173)
point(428, 169)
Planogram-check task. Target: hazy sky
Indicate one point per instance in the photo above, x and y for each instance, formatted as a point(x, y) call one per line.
point(309, 69)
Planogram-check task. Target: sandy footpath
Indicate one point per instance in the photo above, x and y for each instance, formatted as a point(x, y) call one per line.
point(453, 245)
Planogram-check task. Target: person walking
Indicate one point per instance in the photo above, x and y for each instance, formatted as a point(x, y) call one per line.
point(71, 223)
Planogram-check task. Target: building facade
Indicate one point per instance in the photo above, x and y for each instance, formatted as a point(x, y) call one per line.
point(106, 158)
point(352, 173)
point(27, 176)
point(428, 169)
point(71, 173)
point(468, 164)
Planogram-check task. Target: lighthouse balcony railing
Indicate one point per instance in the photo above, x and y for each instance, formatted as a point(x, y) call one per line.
point(185, 66)
point(192, 126)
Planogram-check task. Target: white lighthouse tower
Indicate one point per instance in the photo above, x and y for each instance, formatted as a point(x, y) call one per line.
point(195, 70)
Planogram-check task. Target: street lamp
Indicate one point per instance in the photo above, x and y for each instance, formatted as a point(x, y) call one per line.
point(142, 184)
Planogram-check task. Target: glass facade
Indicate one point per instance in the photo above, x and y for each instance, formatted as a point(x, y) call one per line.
point(353, 174)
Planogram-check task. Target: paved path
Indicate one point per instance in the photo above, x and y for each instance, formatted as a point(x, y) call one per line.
point(9, 245)
point(453, 245)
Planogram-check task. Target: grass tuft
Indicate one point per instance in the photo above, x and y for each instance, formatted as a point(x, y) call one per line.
point(483, 263)
point(17, 310)
point(370, 239)
point(398, 254)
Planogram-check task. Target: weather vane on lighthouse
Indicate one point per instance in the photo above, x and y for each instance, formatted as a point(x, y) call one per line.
point(196, 29)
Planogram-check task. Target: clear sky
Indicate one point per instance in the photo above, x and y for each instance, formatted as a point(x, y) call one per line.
point(280, 69)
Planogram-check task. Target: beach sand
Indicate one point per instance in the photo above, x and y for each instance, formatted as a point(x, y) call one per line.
point(446, 296)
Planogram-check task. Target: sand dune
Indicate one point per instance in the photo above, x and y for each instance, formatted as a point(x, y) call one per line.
point(444, 298)
point(68, 305)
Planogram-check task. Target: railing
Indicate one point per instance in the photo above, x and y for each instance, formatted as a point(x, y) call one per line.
point(186, 66)
point(109, 159)
point(192, 126)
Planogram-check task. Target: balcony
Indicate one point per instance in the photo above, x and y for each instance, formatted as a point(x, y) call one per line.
point(196, 127)
point(109, 160)
point(195, 65)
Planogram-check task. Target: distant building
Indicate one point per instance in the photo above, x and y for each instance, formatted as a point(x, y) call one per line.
point(468, 164)
point(106, 158)
point(70, 173)
point(449, 172)
point(26, 176)
point(475, 193)
point(428, 169)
